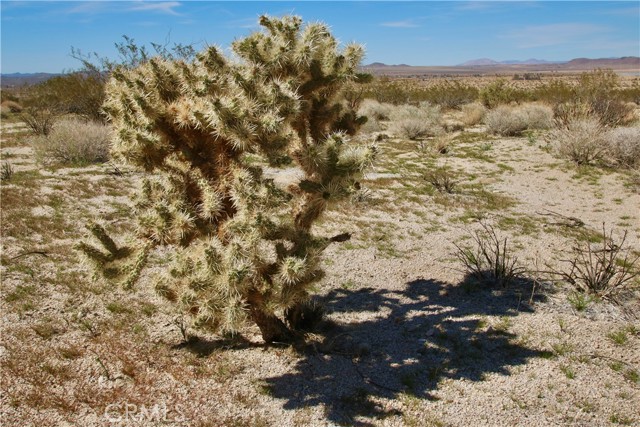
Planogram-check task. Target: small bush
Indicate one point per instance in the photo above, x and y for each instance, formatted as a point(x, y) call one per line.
point(513, 121)
point(73, 142)
point(624, 146)
point(537, 116)
point(6, 171)
point(451, 94)
point(491, 260)
point(375, 110)
point(473, 113)
point(442, 179)
point(414, 122)
point(602, 270)
point(505, 121)
point(499, 92)
point(581, 140)
point(39, 121)
point(12, 106)
point(599, 90)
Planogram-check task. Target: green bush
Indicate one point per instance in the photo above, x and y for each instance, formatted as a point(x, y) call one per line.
point(451, 94)
point(75, 93)
point(499, 92)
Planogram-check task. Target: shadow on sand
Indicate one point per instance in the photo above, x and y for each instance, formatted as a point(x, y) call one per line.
point(404, 342)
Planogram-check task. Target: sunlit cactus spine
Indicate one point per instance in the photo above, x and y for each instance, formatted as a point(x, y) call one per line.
point(243, 248)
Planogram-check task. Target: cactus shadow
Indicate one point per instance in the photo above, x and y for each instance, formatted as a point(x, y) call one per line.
point(388, 344)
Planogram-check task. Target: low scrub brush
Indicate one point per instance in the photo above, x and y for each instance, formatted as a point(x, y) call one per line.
point(73, 142)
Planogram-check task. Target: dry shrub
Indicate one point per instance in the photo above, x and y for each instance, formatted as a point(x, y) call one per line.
point(375, 110)
point(39, 121)
point(415, 122)
point(581, 140)
point(512, 121)
point(624, 146)
point(473, 113)
point(12, 106)
point(73, 142)
point(602, 269)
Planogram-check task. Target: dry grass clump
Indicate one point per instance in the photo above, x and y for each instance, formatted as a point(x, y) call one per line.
point(413, 122)
point(624, 146)
point(473, 113)
point(375, 112)
point(11, 106)
point(512, 121)
point(581, 140)
point(73, 142)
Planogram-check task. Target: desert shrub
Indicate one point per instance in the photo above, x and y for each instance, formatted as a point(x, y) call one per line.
point(473, 113)
point(512, 121)
point(554, 92)
point(442, 179)
point(12, 106)
point(375, 110)
point(536, 116)
point(603, 269)
point(40, 121)
point(624, 146)
point(567, 112)
point(450, 94)
point(499, 92)
point(599, 89)
point(415, 122)
point(491, 260)
point(6, 171)
point(389, 91)
point(581, 140)
point(77, 93)
point(241, 248)
point(73, 142)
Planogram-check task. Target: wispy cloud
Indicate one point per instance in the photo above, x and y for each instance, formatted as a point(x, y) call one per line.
point(97, 7)
point(161, 6)
point(407, 23)
point(554, 34)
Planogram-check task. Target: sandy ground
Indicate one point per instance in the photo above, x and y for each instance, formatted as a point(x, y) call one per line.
point(410, 339)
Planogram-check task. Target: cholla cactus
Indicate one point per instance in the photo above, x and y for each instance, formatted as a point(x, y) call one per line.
point(244, 248)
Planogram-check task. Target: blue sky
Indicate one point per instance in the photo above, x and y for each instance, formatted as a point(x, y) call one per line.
point(37, 36)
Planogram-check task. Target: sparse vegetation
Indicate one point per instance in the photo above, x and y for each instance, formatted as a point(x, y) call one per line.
point(491, 261)
point(582, 140)
point(603, 269)
point(413, 122)
point(73, 142)
point(513, 121)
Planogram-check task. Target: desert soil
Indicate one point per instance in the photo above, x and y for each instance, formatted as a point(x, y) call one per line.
point(409, 338)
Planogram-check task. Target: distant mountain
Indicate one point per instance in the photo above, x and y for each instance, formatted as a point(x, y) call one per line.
point(382, 64)
point(483, 62)
point(19, 79)
point(532, 61)
point(624, 62)
point(578, 63)
point(479, 63)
